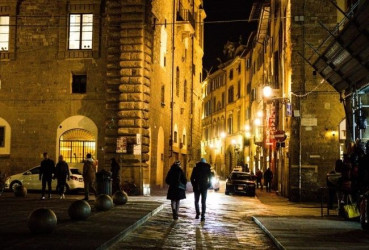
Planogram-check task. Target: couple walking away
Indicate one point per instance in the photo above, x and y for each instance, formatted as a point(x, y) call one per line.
point(200, 180)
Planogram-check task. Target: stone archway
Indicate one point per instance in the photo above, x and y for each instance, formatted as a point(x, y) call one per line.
point(76, 136)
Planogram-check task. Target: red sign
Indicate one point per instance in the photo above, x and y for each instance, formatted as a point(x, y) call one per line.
point(280, 135)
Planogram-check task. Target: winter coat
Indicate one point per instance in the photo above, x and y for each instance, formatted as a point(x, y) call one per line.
point(268, 175)
point(62, 171)
point(47, 169)
point(89, 171)
point(174, 177)
point(200, 177)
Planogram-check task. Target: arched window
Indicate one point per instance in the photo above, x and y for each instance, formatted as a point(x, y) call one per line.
point(230, 124)
point(177, 81)
point(163, 46)
point(185, 91)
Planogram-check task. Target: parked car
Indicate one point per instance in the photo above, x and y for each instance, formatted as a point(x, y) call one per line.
point(214, 181)
point(30, 179)
point(240, 183)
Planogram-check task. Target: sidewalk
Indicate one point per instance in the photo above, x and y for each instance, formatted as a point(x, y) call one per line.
point(300, 226)
point(99, 231)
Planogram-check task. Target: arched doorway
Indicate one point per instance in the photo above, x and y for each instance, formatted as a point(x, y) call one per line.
point(160, 158)
point(76, 136)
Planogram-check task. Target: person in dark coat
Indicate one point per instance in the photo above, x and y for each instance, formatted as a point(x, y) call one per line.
point(47, 170)
point(259, 177)
point(61, 174)
point(176, 180)
point(200, 180)
point(115, 175)
point(268, 177)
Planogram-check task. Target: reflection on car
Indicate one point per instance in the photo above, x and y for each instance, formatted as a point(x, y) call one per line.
point(30, 179)
point(240, 183)
point(214, 180)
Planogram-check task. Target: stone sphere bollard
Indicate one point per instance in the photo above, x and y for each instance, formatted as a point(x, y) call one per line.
point(103, 202)
point(42, 220)
point(120, 198)
point(20, 191)
point(79, 210)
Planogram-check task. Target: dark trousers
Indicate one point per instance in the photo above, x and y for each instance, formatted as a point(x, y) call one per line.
point(60, 186)
point(203, 194)
point(268, 185)
point(44, 181)
point(258, 182)
point(89, 185)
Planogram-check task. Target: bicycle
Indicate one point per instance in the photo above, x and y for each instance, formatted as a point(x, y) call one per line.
point(130, 188)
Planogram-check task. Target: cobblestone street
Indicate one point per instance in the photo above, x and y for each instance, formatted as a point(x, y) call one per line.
point(228, 225)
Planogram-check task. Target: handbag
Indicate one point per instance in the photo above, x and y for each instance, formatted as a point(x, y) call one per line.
point(181, 186)
point(351, 211)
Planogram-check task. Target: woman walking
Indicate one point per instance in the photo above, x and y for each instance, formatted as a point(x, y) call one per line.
point(177, 187)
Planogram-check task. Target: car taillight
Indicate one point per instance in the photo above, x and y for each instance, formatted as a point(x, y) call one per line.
point(74, 178)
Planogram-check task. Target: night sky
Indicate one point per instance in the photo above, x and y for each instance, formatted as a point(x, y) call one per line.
point(217, 34)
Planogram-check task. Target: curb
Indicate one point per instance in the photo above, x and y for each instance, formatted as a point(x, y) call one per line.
point(275, 241)
point(131, 228)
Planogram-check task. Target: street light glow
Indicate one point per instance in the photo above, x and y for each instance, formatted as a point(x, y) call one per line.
point(267, 91)
point(257, 122)
point(247, 127)
point(223, 135)
point(259, 114)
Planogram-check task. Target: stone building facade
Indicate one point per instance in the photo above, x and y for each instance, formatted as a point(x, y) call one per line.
point(115, 78)
point(302, 106)
point(224, 144)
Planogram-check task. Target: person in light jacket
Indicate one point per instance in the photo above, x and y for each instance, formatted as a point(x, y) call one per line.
point(89, 176)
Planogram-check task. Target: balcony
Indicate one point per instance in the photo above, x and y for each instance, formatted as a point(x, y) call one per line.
point(186, 18)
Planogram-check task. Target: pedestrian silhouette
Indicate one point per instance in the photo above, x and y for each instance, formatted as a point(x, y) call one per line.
point(200, 180)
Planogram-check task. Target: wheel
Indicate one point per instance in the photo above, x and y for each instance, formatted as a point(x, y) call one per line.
point(227, 192)
point(14, 184)
point(216, 189)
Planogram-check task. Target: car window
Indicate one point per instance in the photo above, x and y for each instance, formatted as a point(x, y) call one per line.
point(35, 170)
point(239, 176)
point(75, 171)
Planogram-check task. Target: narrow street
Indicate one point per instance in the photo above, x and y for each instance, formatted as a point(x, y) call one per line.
point(228, 225)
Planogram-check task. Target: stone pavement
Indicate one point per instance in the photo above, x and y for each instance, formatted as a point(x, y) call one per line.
point(99, 231)
point(228, 225)
point(301, 226)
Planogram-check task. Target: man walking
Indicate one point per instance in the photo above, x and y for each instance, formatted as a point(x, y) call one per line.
point(89, 176)
point(268, 177)
point(47, 170)
point(259, 176)
point(61, 174)
point(200, 180)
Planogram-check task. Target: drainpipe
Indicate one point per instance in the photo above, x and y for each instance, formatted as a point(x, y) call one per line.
point(172, 83)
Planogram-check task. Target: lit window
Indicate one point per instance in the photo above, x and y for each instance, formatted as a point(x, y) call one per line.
point(79, 84)
point(80, 31)
point(163, 46)
point(4, 33)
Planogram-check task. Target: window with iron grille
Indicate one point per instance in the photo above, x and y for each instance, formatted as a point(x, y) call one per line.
point(76, 151)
